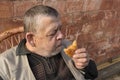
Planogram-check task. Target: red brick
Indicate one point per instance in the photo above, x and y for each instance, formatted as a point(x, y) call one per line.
point(77, 16)
point(91, 5)
point(98, 29)
point(107, 4)
point(118, 14)
point(73, 6)
point(6, 9)
point(67, 19)
point(59, 5)
point(116, 5)
point(20, 7)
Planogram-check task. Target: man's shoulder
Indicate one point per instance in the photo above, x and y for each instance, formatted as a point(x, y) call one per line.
point(8, 57)
point(9, 53)
point(7, 61)
point(12, 64)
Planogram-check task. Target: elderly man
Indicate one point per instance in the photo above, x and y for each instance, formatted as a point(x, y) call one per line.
point(40, 55)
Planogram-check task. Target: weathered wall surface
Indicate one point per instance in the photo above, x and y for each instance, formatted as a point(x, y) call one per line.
point(97, 22)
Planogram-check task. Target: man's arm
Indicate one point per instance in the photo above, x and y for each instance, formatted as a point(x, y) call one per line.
point(83, 62)
point(91, 71)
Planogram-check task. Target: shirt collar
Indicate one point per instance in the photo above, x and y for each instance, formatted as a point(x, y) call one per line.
point(21, 49)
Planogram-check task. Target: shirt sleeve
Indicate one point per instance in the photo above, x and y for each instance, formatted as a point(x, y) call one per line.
point(91, 71)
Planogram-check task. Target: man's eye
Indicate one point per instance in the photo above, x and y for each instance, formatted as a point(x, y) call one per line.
point(53, 33)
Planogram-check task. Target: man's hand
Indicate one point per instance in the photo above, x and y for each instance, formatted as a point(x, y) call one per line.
point(80, 58)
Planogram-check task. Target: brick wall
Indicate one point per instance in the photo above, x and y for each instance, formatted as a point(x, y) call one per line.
point(95, 21)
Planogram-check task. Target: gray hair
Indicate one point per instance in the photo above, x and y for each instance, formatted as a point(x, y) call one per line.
point(31, 16)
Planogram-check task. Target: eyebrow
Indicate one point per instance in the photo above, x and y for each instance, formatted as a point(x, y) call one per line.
point(53, 29)
point(56, 27)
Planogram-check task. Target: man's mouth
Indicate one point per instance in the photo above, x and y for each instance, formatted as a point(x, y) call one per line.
point(59, 45)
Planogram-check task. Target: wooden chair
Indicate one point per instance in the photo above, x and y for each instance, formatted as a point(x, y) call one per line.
point(10, 38)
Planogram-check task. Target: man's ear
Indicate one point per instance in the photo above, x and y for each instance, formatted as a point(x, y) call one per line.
point(30, 38)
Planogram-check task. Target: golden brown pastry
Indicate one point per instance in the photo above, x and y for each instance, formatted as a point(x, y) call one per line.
point(71, 49)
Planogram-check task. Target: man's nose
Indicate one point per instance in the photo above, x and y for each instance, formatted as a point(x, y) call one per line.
point(60, 35)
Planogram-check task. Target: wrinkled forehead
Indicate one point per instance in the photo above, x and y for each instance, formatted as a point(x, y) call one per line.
point(47, 22)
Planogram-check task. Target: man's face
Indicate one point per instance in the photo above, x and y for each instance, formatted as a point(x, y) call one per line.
point(48, 40)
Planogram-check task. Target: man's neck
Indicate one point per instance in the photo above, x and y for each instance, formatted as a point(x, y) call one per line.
point(40, 52)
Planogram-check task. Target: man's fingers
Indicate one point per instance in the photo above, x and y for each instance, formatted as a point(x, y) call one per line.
point(80, 58)
point(81, 65)
point(83, 60)
point(80, 55)
point(80, 50)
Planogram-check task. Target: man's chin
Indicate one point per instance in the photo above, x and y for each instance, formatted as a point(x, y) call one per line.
point(55, 52)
